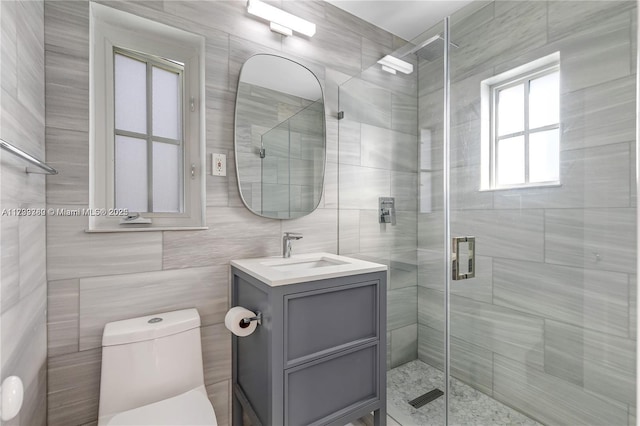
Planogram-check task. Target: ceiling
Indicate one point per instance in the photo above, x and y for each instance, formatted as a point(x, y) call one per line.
point(406, 19)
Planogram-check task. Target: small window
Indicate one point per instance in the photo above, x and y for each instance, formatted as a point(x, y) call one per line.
point(147, 139)
point(148, 133)
point(524, 131)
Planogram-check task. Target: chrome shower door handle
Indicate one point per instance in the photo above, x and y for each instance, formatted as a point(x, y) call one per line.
point(455, 258)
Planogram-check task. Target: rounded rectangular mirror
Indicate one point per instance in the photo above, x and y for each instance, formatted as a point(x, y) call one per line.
point(279, 137)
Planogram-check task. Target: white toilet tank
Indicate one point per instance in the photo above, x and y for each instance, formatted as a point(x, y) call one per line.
point(148, 359)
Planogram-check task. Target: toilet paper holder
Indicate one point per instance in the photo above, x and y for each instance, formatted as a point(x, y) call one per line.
point(246, 321)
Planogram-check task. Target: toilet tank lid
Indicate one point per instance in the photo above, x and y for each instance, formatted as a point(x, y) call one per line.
point(149, 327)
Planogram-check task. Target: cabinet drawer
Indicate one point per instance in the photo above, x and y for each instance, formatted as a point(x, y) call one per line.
point(319, 322)
point(328, 388)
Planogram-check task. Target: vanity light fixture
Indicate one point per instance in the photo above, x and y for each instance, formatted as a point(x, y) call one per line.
point(281, 22)
point(391, 64)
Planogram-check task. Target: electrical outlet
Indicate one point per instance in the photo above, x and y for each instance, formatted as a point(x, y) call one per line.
point(218, 164)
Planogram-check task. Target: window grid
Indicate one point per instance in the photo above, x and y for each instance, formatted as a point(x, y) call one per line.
point(167, 65)
point(526, 132)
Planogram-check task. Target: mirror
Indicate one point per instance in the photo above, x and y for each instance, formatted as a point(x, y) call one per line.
point(279, 137)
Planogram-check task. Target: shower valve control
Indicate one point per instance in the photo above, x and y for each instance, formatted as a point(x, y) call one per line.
point(387, 210)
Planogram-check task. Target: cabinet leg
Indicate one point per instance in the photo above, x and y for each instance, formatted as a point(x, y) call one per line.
point(380, 417)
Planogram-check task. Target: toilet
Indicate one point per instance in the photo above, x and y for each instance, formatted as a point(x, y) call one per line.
point(152, 372)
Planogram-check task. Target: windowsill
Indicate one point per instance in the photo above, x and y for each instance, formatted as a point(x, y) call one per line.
point(509, 188)
point(134, 229)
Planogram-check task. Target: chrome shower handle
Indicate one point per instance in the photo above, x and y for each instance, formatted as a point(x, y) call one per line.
point(455, 258)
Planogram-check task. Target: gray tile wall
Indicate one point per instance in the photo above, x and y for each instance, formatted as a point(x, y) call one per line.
point(96, 278)
point(378, 157)
point(23, 243)
point(548, 324)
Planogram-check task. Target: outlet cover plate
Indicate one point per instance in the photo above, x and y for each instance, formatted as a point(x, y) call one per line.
point(218, 164)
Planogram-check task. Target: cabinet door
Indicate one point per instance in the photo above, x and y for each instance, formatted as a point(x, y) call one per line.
point(328, 388)
point(318, 323)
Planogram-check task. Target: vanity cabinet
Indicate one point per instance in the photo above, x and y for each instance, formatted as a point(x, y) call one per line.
point(319, 356)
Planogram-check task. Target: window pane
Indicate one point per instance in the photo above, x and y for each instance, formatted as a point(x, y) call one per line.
point(166, 104)
point(167, 181)
point(130, 94)
point(544, 156)
point(510, 161)
point(544, 105)
point(511, 110)
point(131, 174)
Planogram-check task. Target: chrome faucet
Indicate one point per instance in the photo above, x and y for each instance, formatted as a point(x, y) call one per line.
point(286, 242)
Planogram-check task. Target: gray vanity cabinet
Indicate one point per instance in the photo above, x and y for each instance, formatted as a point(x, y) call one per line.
point(319, 357)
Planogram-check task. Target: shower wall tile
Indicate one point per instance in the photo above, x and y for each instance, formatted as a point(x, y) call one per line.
point(216, 353)
point(385, 149)
point(349, 141)
point(73, 253)
point(404, 113)
point(602, 239)
point(404, 345)
point(113, 298)
point(403, 273)
point(465, 189)
point(10, 258)
point(401, 308)
point(519, 385)
point(599, 115)
point(469, 363)
point(372, 52)
point(591, 299)
point(600, 363)
point(355, 93)
point(503, 331)
point(404, 188)
point(511, 31)
point(523, 241)
point(245, 235)
point(567, 18)
point(9, 72)
point(360, 187)
point(597, 55)
point(74, 388)
point(62, 316)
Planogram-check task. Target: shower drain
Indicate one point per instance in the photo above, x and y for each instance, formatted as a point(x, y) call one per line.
point(426, 398)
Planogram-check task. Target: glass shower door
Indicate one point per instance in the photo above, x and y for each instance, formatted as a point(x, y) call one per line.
point(542, 172)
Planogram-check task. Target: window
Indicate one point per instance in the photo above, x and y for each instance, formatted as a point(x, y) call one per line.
point(523, 144)
point(147, 131)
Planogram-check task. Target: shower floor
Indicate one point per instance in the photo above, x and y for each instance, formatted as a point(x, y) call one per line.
point(468, 406)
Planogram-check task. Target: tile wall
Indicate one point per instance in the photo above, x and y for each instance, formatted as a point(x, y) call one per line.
point(548, 325)
point(22, 238)
point(97, 278)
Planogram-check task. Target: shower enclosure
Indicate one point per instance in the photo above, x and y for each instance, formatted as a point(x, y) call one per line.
point(520, 132)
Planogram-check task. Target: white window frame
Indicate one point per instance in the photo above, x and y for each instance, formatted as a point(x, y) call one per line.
point(490, 89)
point(113, 30)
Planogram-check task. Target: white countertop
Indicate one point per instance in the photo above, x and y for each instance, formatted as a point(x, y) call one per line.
point(277, 271)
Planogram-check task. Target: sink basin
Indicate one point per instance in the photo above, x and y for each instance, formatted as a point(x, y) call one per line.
point(303, 264)
point(276, 271)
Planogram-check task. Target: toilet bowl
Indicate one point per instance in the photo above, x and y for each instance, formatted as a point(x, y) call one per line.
point(152, 372)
